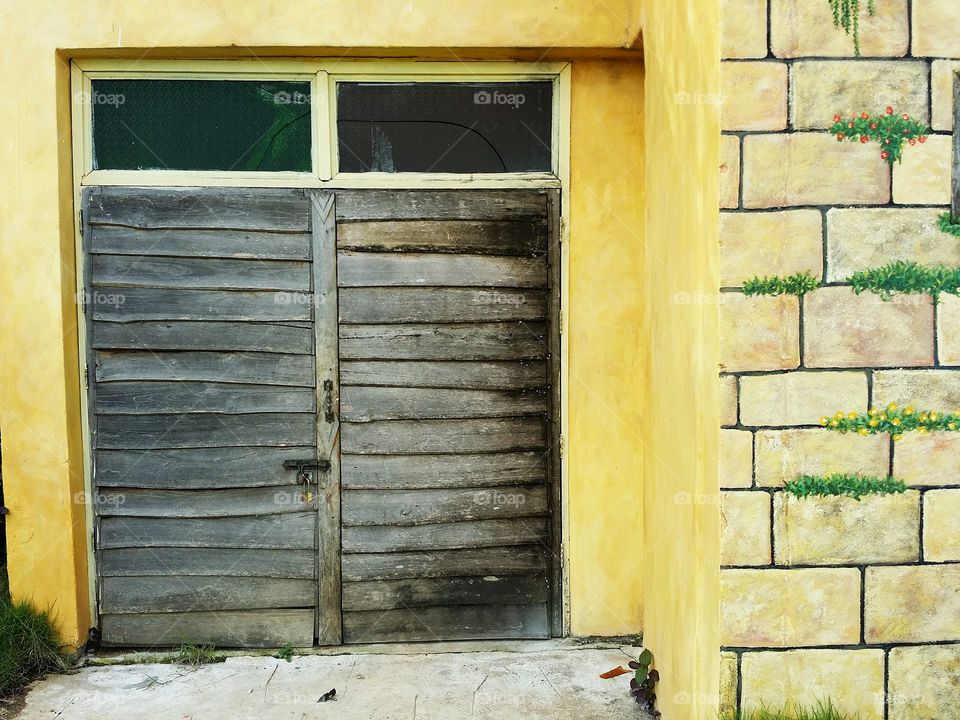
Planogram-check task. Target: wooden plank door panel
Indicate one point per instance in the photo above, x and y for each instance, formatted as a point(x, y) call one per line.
point(446, 304)
point(212, 332)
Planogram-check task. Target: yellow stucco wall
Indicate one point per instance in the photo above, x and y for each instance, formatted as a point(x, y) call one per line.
point(619, 474)
point(681, 489)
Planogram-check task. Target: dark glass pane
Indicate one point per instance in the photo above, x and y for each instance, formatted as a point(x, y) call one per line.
point(201, 125)
point(444, 127)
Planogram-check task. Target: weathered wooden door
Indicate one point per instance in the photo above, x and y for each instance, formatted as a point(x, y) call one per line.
point(211, 328)
point(448, 361)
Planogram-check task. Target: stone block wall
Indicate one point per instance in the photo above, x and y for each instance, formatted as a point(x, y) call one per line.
point(855, 600)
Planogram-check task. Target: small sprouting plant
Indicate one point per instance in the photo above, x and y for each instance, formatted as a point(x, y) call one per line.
point(843, 484)
point(643, 683)
point(196, 655)
point(797, 284)
point(285, 653)
point(821, 711)
point(889, 129)
point(949, 224)
point(908, 278)
point(846, 15)
point(893, 420)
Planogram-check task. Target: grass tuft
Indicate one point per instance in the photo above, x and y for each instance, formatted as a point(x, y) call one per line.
point(948, 225)
point(797, 284)
point(29, 644)
point(908, 278)
point(197, 655)
point(822, 710)
point(843, 484)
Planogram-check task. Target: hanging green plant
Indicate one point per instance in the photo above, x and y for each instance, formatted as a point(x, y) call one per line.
point(890, 130)
point(846, 15)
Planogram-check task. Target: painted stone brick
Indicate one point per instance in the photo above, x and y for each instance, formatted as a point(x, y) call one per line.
point(782, 455)
point(822, 89)
point(770, 243)
point(932, 459)
point(800, 398)
point(745, 528)
point(754, 96)
point(914, 603)
point(852, 679)
point(789, 608)
point(728, 400)
point(759, 333)
point(941, 525)
point(803, 28)
point(843, 329)
point(841, 530)
point(924, 389)
point(728, 682)
point(941, 86)
point(812, 169)
point(923, 682)
point(729, 171)
point(858, 239)
point(935, 28)
point(948, 329)
point(736, 459)
point(743, 28)
point(923, 178)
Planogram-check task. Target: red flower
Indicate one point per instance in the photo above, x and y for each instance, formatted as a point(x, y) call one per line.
point(839, 136)
point(849, 125)
point(836, 118)
point(864, 115)
point(905, 116)
point(886, 141)
point(873, 126)
point(864, 139)
point(913, 141)
point(889, 110)
point(884, 154)
point(906, 132)
point(923, 138)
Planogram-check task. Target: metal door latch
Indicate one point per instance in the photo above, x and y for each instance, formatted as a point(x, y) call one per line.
point(303, 468)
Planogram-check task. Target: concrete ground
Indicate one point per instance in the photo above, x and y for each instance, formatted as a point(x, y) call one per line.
point(523, 682)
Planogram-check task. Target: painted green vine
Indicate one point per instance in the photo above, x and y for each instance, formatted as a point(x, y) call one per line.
point(846, 15)
point(843, 485)
point(894, 420)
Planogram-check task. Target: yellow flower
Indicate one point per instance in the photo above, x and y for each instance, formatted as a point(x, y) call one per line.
point(922, 430)
point(874, 422)
point(852, 416)
point(834, 423)
point(824, 420)
point(891, 407)
point(952, 425)
point(898, 437)
point(908, 410)
point(923, 417)
point(863, 431)
point(883, 416)
point(839, 415)
point(934, 416)
point(895, 422)
point(873, 411)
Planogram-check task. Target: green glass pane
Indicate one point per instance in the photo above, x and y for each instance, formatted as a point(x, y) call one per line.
point(236, 125)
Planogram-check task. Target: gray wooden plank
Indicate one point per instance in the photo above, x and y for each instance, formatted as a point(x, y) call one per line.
point(440, 305)
point(498, 237)
point(139, 398)
point(181, 562)
point(469, 341)
point(185, 594)
point(255, 368)
point(363, 404)
point(228, 628)
point(370, 472)
point(199, 273)
point(365, 269)
point(209, 335)
point(197, 469)
point(460, 622)
point(444, 536)
point(209, 207)
point(329, 630)
point(120, 304)
point(119, 240)
point(421, 507)
point(515, 560)
point(426, 592)
point(277, 532)
point(475, 375)
point(439, 205)
point(232, 502)
point(120, 432)
point(554, 420)
point(398, 437)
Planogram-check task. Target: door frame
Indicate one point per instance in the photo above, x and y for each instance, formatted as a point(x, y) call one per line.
point(323, 75)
